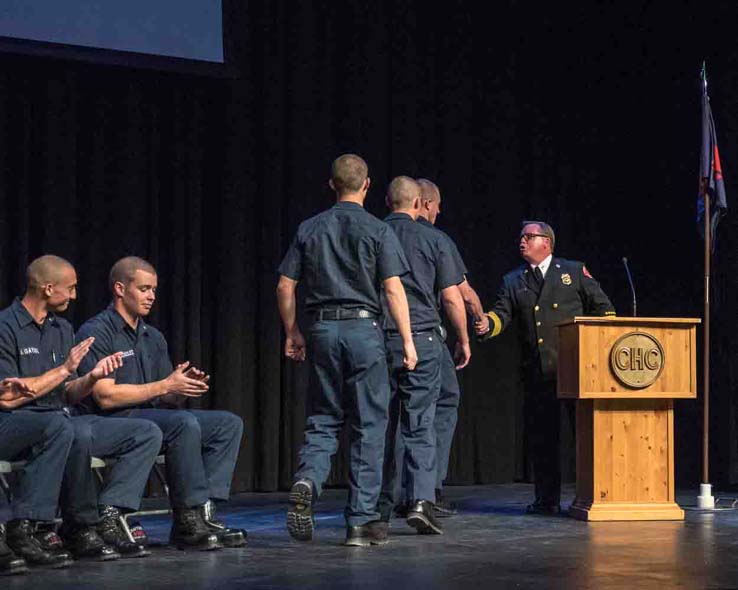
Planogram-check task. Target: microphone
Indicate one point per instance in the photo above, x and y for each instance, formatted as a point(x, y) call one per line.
point(632, 287)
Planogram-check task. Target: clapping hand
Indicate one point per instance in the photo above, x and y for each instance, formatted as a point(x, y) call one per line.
point(13, 388)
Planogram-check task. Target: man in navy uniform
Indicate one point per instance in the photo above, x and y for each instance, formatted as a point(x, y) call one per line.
point(447, 407)
point(539, 294)
point(38, 347)
point(200, 446)
point(344, 256)
point(45, 446)
point(433, 275)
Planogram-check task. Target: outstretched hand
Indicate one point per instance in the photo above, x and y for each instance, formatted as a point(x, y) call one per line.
point(481, 326)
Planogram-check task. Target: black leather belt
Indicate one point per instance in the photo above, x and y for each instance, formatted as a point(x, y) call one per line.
point(340, 313)
point(438, 330)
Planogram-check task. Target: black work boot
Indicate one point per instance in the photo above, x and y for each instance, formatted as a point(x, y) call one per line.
point(111, 529)
point(371, 533)
point(10, 563)
point(189, 531)
point(300, 520)
point(84, 542)
point(228, 537)
point(422, 517)
point(20, 538)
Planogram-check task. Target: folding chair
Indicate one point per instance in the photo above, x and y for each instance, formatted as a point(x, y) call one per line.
point(158, 470)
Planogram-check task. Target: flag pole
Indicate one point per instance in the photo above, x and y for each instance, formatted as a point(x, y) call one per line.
point(706, 500)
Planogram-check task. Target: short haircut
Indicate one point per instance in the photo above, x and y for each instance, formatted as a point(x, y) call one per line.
point(401, 193)
point(546, 230)
point(45, 270)
point(349, 173)
point(125, 269)
point(428, 190)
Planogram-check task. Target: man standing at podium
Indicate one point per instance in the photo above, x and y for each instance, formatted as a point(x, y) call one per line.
point(540, 294)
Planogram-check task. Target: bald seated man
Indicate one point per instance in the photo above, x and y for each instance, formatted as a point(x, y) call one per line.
point(37, 349)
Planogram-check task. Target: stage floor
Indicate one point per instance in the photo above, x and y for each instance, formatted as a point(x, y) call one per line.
point(490, 544)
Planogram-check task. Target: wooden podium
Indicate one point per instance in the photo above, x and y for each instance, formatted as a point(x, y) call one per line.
point(625, 374)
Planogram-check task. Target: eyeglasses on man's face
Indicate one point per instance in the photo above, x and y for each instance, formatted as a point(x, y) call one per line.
point(529, 237)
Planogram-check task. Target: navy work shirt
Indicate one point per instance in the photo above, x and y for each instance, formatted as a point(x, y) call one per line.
point(343, 255)
point(452, 245)
point(145, 352)
point(30, 350)
point(432, 269)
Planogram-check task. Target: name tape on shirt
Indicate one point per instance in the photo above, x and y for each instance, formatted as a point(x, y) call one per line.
point(127, 353)
point(29, 350)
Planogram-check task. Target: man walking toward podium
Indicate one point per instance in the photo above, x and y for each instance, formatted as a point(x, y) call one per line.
point(544, 291)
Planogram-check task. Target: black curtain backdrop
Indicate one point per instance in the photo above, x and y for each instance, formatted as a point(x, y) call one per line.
point(587, 117)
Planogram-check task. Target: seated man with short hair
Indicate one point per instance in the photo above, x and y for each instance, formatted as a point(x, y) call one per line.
point(201, 446)
point(37, 347)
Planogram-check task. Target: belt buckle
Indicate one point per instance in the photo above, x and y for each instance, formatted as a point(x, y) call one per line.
point(363, 313)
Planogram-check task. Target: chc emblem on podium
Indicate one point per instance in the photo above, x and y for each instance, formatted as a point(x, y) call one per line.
point(637, 359)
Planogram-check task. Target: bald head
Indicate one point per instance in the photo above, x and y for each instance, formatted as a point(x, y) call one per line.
point(51, 283)
point(47, 270)
point(349, 173)
point(403, 193)
point(430, 200)
point(124, 271)
point(428, 190)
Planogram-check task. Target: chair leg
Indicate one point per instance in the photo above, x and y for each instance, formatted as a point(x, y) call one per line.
point(162, 478)
point(126, 529)
point(6, 488)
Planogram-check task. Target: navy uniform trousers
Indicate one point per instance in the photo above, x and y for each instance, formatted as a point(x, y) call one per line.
point(350, 364)
point(129, 448)
point(447, 414)
point(411, 446)
point(43, 439)
point(395, 479)
point(201, 448)
point(59, 448)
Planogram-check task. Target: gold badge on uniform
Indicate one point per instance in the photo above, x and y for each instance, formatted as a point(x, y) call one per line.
point(566, 278)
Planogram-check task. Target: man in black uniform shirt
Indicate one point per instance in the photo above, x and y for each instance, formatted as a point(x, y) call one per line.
point(539, 294)
point(38, 347)
point(344, 256)
point(200, 446)
point(433, 275)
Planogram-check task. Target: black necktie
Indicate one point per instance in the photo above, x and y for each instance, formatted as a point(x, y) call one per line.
point(538, 276)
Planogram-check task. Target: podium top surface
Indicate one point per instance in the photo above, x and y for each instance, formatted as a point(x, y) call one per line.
point(632, 321)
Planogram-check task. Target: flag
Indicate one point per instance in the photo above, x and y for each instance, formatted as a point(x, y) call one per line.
point(711, 174)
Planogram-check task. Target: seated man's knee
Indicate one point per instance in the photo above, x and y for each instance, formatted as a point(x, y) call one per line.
point(151, 434)
point(82, 435)
point(187, 424)
point(233, 424)
point(60, 428)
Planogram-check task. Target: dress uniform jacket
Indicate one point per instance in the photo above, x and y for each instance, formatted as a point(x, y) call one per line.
point(568, 290)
